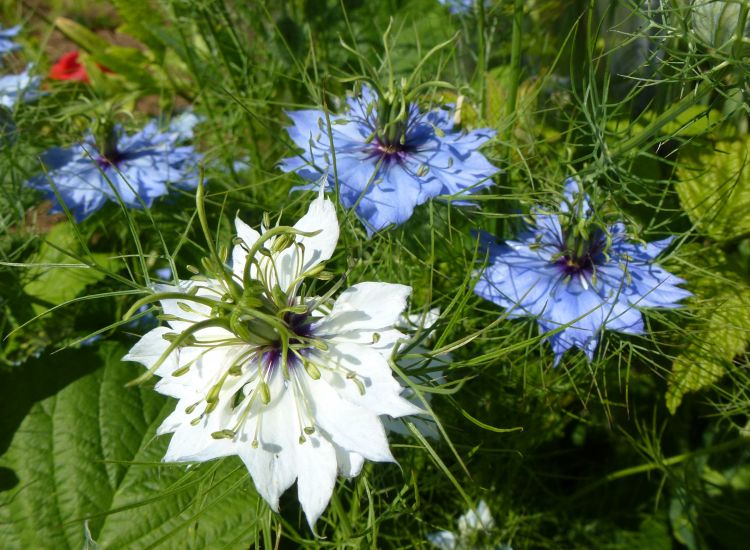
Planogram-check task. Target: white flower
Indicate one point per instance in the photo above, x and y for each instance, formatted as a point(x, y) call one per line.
point(471, 526)
point(292, 384)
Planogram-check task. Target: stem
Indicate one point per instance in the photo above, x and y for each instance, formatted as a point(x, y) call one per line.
point(665, 118)
point(482, 59)
point(509, 121)
point(671, 461)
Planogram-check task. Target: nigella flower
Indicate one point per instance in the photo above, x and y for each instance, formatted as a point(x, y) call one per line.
point(15, 87)
point(291, 382)
point(473, 529)
point(389, 156)
point(578, 278)
point(6, 39)
point(135, 169)
point(458, 6)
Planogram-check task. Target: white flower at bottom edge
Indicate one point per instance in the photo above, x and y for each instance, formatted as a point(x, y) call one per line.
point(309, 420)
point(471, 526)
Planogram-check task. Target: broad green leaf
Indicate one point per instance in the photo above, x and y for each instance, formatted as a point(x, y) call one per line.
point(54, 285)
point(89, 41)
point(714, 187)
point(720, 335)
point(88, 469)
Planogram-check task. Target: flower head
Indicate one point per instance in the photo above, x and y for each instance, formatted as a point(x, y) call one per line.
point(458, 6)
point(471, 528)
point(69, 67)
point(15, 87)
point(578, 278)
point(389, 156)
point(291, 382)
point(6, 39)
point(133, 168)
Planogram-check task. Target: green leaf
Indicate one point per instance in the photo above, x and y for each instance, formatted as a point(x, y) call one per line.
point(88, 470)
point(714, 187)
point(52, 284)
point(89, 41)
point(721, 333)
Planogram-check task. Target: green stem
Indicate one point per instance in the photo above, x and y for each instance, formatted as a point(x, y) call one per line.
point(671, 461)
point(662, 120)
point(509, 121)
point(482, 59)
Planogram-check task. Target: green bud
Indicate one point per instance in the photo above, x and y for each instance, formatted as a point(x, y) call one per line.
point(312, 371)
point(223, 434)
point(265, 393)
point(181, 371)
point(213, 393)
point(360, 385)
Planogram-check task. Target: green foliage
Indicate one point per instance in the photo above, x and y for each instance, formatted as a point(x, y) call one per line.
point(57, 273)
point(87, 462)
point(714, 187)
point(634, 99)
point(719, 334)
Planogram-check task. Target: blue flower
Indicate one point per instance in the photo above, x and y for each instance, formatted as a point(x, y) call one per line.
point(6, 42)
point(578, 281)
point(383, 175)
point(458, 6)
point(138, 168)
point(18, 86)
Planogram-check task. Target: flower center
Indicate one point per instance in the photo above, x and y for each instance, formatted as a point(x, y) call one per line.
point(581, 256)
point(110, 158)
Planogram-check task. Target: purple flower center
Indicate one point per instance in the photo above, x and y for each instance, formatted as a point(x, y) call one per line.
point(110, 158)
point(391, 152)
point(300, 327)
point(583, 256)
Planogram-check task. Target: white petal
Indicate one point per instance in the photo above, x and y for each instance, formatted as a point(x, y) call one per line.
point(350, 464)
point(321, 217)
point(239, 253)
point(382, 392)
point(274, 464)
point(195, 312)
point(317, 476)
point(150, 348)
point(443, 540)
point(366, 306)
point(195, 444)
point(353, 428)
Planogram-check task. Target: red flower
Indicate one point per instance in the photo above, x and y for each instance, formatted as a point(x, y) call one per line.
point(69, 68)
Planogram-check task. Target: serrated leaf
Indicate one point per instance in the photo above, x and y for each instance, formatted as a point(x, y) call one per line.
point(722, 335)
point(714, 187)
point(87, 464)
point(54, 285)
